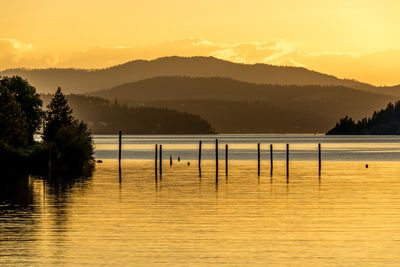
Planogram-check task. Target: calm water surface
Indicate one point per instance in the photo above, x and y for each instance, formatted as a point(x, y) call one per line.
point(350, 215)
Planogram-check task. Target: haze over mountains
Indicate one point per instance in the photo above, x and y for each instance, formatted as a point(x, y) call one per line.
point(233, 97)
point(235, 106)
point(83, 81)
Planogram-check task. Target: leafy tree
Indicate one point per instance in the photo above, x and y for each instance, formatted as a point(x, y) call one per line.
point(70, 138)
point(29, 101)
point(13, 127)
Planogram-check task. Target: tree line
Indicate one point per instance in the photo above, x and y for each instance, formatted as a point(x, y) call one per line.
point(65, 140)
point(108, 117)
point(386, 121)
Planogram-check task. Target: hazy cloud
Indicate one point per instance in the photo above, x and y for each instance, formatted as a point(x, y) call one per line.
point(12, 51)
point(378, 68)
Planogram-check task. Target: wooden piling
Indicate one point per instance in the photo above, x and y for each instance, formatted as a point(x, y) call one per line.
point(287, 162)
point(119, 153)
point(200, 142)
point(170, 160)
point(258, 159)
point(160, 161)
point(319, 158)
point(271, 158)
point(155, 159)
point(216, 158)
point(226, 159)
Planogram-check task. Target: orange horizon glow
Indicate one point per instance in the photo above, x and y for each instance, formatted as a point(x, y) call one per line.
point(349, 39)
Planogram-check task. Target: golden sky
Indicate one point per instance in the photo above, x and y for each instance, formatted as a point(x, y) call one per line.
point(356, 39)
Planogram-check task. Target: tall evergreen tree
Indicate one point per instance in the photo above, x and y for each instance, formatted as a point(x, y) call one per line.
point(70, 138)
point(58, 114)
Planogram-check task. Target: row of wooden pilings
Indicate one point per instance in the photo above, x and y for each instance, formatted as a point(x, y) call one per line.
point(158, 159)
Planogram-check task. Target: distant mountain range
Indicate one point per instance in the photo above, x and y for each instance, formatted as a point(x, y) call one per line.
point(232, 97)
point(234, 106)
point(85, 81)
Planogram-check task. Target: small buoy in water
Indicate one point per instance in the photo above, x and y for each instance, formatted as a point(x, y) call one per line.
point(188, 163)
point(99, 161)
point(366, 166)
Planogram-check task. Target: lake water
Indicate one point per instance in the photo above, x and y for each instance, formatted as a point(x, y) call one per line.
point(347, 216)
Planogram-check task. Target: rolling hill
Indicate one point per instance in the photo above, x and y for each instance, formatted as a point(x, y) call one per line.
point(235, 106)
point(83, 81)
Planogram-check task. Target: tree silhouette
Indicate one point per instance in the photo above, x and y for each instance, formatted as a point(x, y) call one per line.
point(385, 121)
point(13, 127)
point(29, 101)
point(58, 114)
point(70, 139)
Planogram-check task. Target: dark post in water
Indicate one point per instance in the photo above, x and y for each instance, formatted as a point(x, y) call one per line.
point(287, 162)
point(200, 155)
point(170, 160)
point(271, 157)
point(319, 158)
point(160, 161)
point(258, 159)
point(226, 159)
point(155, 159)
point(119, 154)
point(216, 158)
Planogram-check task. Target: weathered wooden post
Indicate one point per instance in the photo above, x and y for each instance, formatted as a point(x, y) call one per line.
point(226, 159)
point(170, 160)
point(216, 158)
point(200, 155)
point(119, 154)
point(319, 158)
point(155, 160)
point(287, 162)
point(258, 159)
point(271, 157)
point(160, 161)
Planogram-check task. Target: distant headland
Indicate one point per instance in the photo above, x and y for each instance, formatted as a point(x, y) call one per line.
point(383, 122)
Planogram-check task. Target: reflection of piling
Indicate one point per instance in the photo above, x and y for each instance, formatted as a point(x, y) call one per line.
point(119, 154)
point(258, 159)
point(155, 159)
point(216, 158)
point(160, 161)
point(319, 158)
point(200, 156)
point(287, 162)
point(271, 158)
point(226, 160)
point(49, 162)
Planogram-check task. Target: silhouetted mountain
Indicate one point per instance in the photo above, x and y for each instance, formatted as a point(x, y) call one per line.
point(385, 121)
point(235, 106)
point(79, 81)
point(104, 117)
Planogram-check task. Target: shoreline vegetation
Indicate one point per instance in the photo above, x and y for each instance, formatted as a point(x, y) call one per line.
point(67, 146)
point(383, 122)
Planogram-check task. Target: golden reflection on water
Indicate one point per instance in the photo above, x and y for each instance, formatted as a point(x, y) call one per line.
point(350, 215)
point(252, 146)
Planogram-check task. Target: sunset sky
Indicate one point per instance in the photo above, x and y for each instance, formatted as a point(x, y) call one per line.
point(356, 39)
